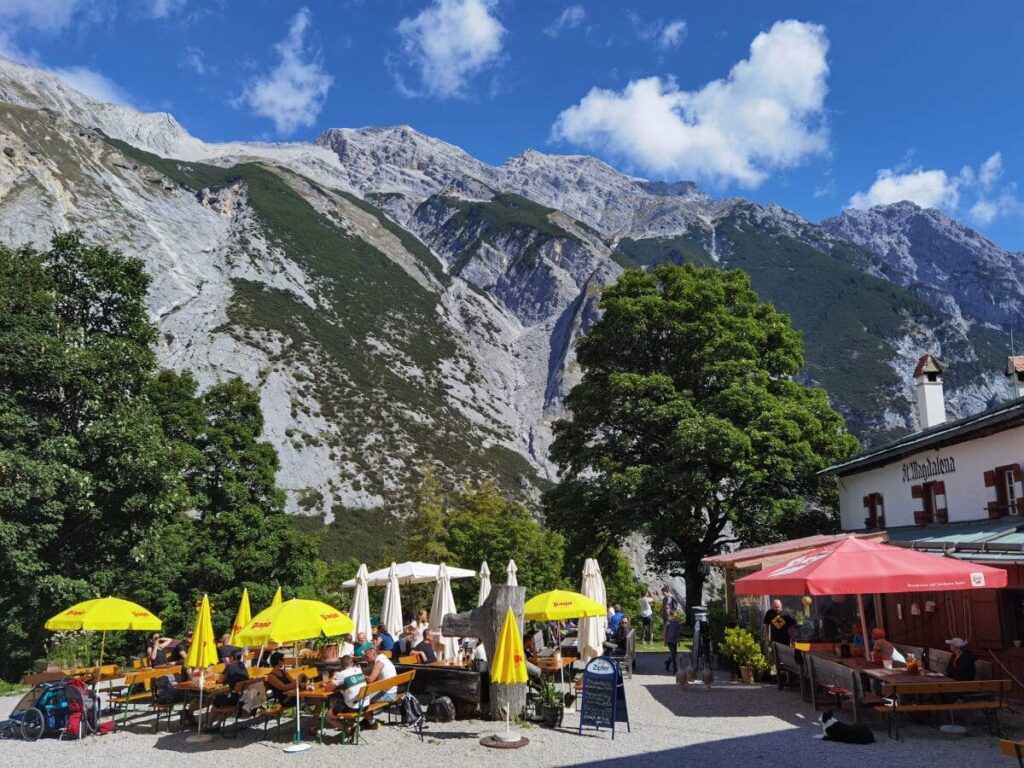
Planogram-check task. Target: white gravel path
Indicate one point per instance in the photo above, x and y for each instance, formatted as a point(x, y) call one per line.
point(731, 726)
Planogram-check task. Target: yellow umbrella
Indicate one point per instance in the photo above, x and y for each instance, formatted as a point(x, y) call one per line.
point(289, 622)
point(104, 614)
point(203, 652)
point(242, 618)
point(278, 599)
point(509, 665)
point(559, 605)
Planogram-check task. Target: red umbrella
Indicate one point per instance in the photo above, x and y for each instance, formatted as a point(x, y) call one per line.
point(857, 566)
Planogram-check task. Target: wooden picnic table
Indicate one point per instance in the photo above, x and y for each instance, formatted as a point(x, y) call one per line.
point(876, 671)
point(551, 665)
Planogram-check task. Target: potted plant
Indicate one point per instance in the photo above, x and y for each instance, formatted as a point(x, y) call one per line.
point(327, 648)
point(744, 649)
point(552, 704)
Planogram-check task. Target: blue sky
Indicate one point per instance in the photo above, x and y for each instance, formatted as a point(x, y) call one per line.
point(812, 105)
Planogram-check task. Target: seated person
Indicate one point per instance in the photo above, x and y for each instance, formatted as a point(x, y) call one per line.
point(382, 669)
point(161, 650)
point(422, 622)
point(234, 673)
point(183, 645)
point(280, 687)
point(226, 650)
point(424, 651)
point(348, 681)
point(530, 647)
point(384, 641)
point(622, 635)
point(614, 620)
point(407, 642)
point(882, 649)
point(362, 644)
point(347, 647)
point(962, 665)
point(857, 637)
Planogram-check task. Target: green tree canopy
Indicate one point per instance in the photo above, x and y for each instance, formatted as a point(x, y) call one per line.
point(688, 424)
point(115, 477)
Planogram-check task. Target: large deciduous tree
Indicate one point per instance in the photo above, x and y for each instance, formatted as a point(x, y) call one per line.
point(689, 426)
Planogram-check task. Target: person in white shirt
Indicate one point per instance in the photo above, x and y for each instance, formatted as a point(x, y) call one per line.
point(350, 681)
point(382, 669)
point(647, 616)
point(480, 657)
point(347, 649)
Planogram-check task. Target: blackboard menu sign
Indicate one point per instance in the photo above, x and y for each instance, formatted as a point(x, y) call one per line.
point(604, 695)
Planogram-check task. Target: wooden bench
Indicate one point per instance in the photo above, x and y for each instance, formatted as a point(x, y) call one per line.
point(400, 681)
point(984, 696)
point(138, 689)
point(1013, 749)
point(906, 650)
point(790, 661)
point(43, 677)
point(839, 681)
point(408, 660)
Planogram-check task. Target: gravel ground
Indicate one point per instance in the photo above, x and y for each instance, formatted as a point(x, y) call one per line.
point(729, 725)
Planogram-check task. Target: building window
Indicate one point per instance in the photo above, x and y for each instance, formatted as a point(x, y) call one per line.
point(933, 503)
point(875, 506)
point(1008, 498)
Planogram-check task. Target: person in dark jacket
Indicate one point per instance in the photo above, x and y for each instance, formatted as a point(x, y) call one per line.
point(672, 641)
point(962, 665)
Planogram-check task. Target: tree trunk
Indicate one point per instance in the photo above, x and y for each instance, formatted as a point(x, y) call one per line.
point(694, 577)
point(485, 622)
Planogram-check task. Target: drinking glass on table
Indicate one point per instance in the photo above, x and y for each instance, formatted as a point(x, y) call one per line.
point(887, 663)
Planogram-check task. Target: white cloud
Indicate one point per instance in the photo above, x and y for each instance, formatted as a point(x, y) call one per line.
point(160, 9)
point(570, 18)
point(672, 34)
point(195, 60)
point(293, 93)
point(47, 15)
point(664, 35)
point(449, 42)
point(929, 189)
point(92, 83)
point(979, 190)
point(767, 114)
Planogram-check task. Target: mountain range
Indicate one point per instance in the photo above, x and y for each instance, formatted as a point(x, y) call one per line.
point(402, 305)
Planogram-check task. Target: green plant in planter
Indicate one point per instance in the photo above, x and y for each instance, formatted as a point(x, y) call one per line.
point(549, 696)
point(744, 649)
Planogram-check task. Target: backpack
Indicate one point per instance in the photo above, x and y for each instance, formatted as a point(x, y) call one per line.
point(441, 710)
point(412, 712)
point(163, 690)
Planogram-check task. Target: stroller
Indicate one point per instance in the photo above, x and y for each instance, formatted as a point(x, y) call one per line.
point(64, 707)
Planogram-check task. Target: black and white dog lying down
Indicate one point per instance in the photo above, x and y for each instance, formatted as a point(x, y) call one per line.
point(837, 730)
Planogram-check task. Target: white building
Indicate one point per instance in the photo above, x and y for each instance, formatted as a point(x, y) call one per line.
point(949, 472)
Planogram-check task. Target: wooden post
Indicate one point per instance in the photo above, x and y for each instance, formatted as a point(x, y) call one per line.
point(485, 622)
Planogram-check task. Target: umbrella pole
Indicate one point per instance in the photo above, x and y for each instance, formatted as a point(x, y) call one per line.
point(99, 665)
point(298, 746)
point(863, 625)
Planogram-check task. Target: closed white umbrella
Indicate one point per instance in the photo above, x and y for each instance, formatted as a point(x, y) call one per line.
point(443, 603)
point(485, 583)
point(511, 581)
point(361, 603)
point(391, 613)
point(413, 572)
point(592, 632)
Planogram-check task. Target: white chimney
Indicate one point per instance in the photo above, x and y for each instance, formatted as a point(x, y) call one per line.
point(931, 404)
point(1015, 370)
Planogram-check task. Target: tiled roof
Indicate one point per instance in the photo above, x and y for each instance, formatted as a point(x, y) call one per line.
point(1000, 417)
point(928, 364)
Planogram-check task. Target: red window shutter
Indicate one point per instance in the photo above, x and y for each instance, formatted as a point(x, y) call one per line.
point(996, 510)
point(1020, 506)
point(942, 515)
point(940, 487)
point(917, 491)
point(1016, 473)
point(990, 478)
point(920, 518)
point(867, 502)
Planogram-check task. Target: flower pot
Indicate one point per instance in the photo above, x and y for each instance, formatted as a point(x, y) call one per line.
point(552, 715)
point(747, 673)
point(329, 652)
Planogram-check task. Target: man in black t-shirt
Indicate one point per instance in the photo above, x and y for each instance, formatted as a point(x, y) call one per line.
point(777, 625)
point(425, 650)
